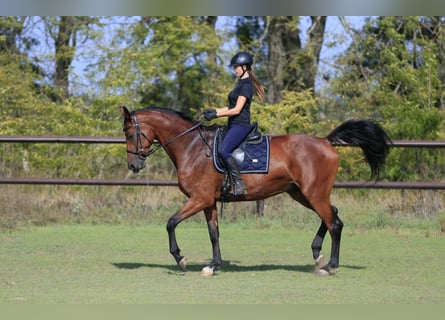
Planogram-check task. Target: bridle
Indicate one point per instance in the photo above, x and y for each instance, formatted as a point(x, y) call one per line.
point(139, 135)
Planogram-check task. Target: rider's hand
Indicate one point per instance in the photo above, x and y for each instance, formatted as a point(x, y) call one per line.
point(210, 114)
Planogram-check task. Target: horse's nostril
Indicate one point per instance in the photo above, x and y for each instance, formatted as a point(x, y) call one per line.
point(133, 168)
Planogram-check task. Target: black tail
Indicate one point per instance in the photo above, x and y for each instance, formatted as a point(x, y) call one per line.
point(369, 136)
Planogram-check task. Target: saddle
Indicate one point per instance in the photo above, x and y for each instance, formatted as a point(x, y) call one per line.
point(254, 136)
point(252, 155)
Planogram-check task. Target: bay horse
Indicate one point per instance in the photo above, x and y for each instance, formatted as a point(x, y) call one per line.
point(304, 166)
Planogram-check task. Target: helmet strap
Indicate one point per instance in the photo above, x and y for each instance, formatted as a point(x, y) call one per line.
point(245, 69)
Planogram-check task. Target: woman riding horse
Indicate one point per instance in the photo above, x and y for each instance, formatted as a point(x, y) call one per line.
point(238, 111)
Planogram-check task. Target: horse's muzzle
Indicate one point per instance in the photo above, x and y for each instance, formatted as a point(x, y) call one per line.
point(136, 165)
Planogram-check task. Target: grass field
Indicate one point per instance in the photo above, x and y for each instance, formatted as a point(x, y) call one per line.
point(87, 264)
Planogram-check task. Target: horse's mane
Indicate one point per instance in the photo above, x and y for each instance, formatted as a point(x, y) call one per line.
point(177, 113)
point(171, 111)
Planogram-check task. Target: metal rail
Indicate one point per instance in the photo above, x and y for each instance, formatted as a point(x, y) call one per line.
point(115, 140)
point(140, 182)
point(89, 182)
point(153, 183)
point(60, 139)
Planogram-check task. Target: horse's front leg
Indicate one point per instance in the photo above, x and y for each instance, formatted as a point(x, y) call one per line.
point(212, 224)
point(174, 248)
point(191, 207)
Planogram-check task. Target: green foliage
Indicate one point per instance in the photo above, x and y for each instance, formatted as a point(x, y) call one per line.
point(60, 160)
point(169, 62)
point(391, 73)
point(294, 114)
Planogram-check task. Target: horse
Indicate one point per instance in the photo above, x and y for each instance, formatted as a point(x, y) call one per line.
point(301, 165)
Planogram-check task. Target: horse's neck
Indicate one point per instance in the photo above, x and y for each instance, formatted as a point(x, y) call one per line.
point(177, 143)
point(167, 131)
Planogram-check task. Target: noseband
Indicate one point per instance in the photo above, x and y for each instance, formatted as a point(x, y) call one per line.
point(140, 147)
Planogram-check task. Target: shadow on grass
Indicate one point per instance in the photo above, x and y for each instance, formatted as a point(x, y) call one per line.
point(227, 266)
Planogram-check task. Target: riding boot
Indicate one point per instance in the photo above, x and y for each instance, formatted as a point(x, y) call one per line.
point(234, 174)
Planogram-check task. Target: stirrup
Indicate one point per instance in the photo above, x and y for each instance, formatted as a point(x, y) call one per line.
point(225, 188)
point(239, 185)
point(230, 188)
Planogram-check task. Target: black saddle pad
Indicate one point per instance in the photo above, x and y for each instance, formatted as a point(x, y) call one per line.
point(251, 157)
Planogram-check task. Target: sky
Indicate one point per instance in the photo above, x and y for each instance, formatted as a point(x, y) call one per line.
point(335, 32)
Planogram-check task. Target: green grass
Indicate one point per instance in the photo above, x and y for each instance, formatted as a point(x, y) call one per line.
point(90, 264)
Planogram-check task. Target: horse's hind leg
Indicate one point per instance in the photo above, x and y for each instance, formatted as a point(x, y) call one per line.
point(329, 222)
point(332, 223)
point(317, 243)
point(335, 231)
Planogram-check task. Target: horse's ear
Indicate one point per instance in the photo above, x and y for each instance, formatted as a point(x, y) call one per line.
point(125, 113)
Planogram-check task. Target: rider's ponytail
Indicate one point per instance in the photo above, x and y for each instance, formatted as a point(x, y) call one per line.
point(258, 86)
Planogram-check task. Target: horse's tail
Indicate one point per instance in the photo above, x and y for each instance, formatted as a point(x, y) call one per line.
point(369, 136)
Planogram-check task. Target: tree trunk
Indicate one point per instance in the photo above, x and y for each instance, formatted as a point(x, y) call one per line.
point(291, 67)
point(276, 60)
point(65, 46)
point(313, 50)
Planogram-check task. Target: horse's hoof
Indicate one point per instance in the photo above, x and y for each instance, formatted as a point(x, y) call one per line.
point(322, 272)
point(183, 264)
point(207, 271)
point(321, 269)
point(319, 262)
point(327, 270)
point(330, 269)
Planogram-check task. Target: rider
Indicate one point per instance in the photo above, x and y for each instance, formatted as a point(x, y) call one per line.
point(238, 112)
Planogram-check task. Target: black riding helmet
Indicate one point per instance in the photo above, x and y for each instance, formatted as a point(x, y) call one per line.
point(241, 59)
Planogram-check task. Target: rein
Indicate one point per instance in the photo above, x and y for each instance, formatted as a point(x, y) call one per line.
point(140, 152)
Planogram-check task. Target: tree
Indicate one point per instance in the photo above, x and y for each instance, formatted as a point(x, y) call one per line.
point(66, 31)
point(18, 75)
point(168, 61)
point(391, 73)
point(389, 66)
point(11, 29)
point(277, 40)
